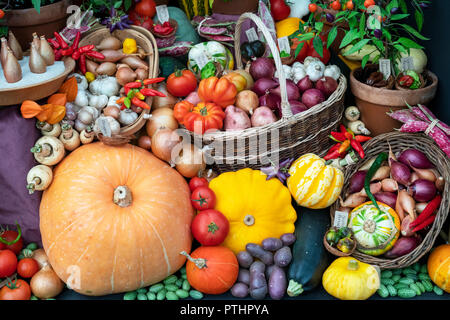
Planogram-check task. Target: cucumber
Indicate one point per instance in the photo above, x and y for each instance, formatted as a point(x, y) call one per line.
point(142, 296)
point(309, 256)
point(415, 288)
point(161, 294)
point(130, 295)
point(397, 271)
point(409, 270)
point(194, 294)
point(170, 295)
point(428, 285)
point(186, 285)
point(387, 281)
point(399, 286)
point(406, 293)
point(386, 274)
point(438, 290)
point(396, 277)
point(392, 290)
point(182, 293)
point(383, 291)
point(171, 287)
point(424, 276)
point(151, 296)
point(170, 279)
point(424, 269)
point(156, 288)
point(407, 281)
point(416, 267)
point(141, 290)
point(421, 286)
point(412, 276)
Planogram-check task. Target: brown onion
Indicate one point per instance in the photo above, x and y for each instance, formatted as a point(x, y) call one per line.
point(134, 62)
point(163, 142)
point(168, 101)
point(46, 284)
point(112, 111)
point(111, 43)
point(125, 75)
point(91, 66)
point(247, 100)
point(161, 118)
point(112, 55)
point(41, 257)
point(145, 142)
point(107, 68)
point(141, 74)
point(190, 161)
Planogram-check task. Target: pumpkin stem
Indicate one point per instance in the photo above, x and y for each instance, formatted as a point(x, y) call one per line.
point(122, 196)
point(353, 265)
point(249, 220)
point(199, 262)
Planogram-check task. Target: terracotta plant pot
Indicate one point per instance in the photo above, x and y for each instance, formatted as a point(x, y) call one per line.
point(26, 21)
point(374, 103)
point(234, 6)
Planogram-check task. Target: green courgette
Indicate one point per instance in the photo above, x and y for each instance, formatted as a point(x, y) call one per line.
point(309, 257)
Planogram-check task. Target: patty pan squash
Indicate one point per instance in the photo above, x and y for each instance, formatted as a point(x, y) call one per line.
point(255, 207)
point(312, 183)
point(349, 279)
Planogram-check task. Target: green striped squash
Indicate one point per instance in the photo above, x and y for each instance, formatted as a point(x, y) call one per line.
point(194, 8)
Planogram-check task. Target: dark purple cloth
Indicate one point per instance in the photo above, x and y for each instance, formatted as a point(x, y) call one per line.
point(17, 136)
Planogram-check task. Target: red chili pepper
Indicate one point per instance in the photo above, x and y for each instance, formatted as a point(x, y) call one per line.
point(95, 55)
point(151, 92)
point(82, 64)
point(76, 55)
point(139, 103)
point(361, 139)
point(357, 147)
point(153, 80)
point(67, 52)
point(76, 41)
point(86, 48)
point(335, 147)
point(424, 224)
point(133, 85)
point(342, 128)
point(53, 43)
point(335, 154)
point(60, 40)
point(338, 136)
point(428, 211)
point(344, 146)
point(406, 81)
point(58, 54)
point(348, 135)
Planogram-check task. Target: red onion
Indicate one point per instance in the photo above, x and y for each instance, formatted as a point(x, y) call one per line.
point(272, 101)
point(388, 198)
point(292, 91)
point(262, 68)
point(422, 190)
point(415, 158)
point(305, 84)
point(327, 85)
point(297, 106)
point(261, 86)
point(403, 246)
point(400, 172)
point(312, 97)
point(357, 181)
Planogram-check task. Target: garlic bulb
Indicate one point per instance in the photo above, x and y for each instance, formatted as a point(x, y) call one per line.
point(98, 102)
point(315, 70)
point(332, 71)
point(108, 126)
point(127, 117)
point(81, 81)
point(82, 98)
point(105, 85)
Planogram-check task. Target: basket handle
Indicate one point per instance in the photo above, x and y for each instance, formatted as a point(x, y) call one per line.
point(285, 107)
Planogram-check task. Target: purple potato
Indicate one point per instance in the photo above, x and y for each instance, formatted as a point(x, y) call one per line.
point(283, 257)
point(272, 244)
point(277, 283)
point(239, 290)
point(256, 267)
point(288, 239)
point(258, 285)
point(245, 259)
point(258, 252)
point(244, 276)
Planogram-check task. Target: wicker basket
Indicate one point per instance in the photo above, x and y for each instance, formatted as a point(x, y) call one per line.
point(401, 141)
point(289, 137)
point(146, 41)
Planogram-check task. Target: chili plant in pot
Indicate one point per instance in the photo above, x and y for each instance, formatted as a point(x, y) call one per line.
point(393, 63)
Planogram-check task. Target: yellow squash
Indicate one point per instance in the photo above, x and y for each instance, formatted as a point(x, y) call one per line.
point(349, 279)
point(313, 184)
point(287, 26)
point(255, 207)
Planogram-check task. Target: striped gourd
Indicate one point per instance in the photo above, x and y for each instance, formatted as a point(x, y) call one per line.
point(375, 230)
point(194, 8)
point(312, 183)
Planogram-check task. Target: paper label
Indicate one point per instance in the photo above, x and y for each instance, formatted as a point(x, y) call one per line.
point(104, 127)
point(340, 219)
point(163, 13)
point(407, 63)
point(385, 68)
point(201, 61)
point(251, 35)
point(283, 44)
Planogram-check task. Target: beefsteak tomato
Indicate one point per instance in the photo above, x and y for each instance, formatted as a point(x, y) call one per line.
point(220, 91)
point(181, 83)
point(210, 227)
point(205, 116)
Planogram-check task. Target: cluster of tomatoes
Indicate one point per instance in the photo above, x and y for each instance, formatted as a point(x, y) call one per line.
point(209, 227)
point(342, 5)
point(25, 267)
point(142, 13)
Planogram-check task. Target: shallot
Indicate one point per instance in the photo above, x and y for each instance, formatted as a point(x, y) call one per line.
point(388, 198)
point(357, 181)
point(422, 190)
point(263, 85)
point(262, 68)
point(400, 172)
point(305, 84)
point(415, 158)
point(312, 97)
point(327, 85)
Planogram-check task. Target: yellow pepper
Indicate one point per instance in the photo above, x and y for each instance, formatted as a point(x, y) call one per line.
point(89, 76)
point(129, 46)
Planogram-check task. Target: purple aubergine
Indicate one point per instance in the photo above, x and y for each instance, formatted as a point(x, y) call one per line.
point(258, 252)
point(258, 285)
point(283, 257)
point(277, 283)
point(239, 290)
point(244, 276)
point(415, 158)
point(272, 244)
point(356, 183)
point(245, 259)
point(288, 239)
point(422, 190)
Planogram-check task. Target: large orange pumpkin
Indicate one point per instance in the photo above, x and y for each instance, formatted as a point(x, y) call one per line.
point(220, 91)
point(212, 269)
point(438, 266)
point(115, 219)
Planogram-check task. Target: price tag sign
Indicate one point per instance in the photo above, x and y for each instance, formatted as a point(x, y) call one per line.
point(251, 35)
point(385, 68)
point(407, 63)
point(340, 219)
point(163, 13)
point(283, 44)
point(201, 61)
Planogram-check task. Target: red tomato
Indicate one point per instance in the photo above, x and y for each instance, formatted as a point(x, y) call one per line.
point(8, 263)
point(181, 83)
point(146, 8)
point(279, 9)
point(27, 267)
point(369, 3)
point(336, 5)
point(11, 235)
point(349, 5)
point(312, 7)
point(2, 14)
point(16, 290)
point(142, 21)
point(303, 52)
point(203, 198)
point(210, 227)
point(197, 182)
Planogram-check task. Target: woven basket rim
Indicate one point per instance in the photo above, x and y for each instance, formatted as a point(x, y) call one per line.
point(442, 164)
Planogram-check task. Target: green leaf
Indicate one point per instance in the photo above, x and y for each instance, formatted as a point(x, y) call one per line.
point(408, 43)
point(414, 32)
point(349, 37)
point(332, 36)
point(318, 46)
point(127, 4)
point(419, 19)
point(37, 5)
point(378, 43)
point(400, 48)
point(387, 35)
point(403, 6)
point(392, 4)
point(352, 14)
point(319, 26)
point(299, 48)
point(357, 46)
point(117, 4)
point(401, 16)
point(364, 61)
point(376, 59)
point(362, 26)
point(306, 37)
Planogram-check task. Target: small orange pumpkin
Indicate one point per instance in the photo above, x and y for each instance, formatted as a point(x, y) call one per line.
point(212, 269)
point(220, 91)
point(439, 266)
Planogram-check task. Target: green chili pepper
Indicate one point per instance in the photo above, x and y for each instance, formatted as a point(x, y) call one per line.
point(209, 70)
point(373, 168)
point(127, 102)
